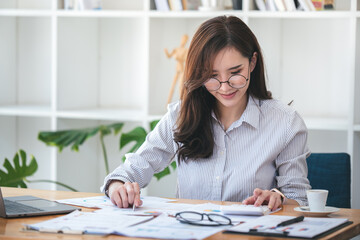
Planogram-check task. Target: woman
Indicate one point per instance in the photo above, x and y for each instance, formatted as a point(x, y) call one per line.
point(230, 139)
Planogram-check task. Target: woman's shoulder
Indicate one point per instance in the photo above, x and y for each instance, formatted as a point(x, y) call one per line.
point(173, 110)
point(174, 106)
point(277, 111)
point(278, 107)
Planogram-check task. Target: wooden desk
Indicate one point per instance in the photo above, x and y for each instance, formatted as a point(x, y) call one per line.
point(12, 228)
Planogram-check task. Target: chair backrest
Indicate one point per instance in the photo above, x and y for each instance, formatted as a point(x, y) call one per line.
point(331, 171)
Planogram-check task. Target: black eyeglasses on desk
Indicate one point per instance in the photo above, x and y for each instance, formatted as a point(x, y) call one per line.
point(196, 218)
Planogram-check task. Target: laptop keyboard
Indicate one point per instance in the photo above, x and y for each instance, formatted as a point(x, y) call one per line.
point(14, 207)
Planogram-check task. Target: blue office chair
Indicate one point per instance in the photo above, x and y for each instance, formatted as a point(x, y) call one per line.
point(331, 171)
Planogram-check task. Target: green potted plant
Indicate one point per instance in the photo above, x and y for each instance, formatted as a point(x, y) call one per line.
point(17, 173)
point(76, 137)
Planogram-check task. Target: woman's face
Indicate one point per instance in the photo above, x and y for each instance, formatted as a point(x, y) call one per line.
point(229, 62)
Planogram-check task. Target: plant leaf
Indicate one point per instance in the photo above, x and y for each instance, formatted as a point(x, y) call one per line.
point(153, 124)
point(15, 175)
point(162, 174)
point(117, 127)
point(173, 165)
point(76, 137)
point(137, 135)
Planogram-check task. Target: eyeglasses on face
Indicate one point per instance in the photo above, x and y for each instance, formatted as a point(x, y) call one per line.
point(237, 81)
point(196, 218)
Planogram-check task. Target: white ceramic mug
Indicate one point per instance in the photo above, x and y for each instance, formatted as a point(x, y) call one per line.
point(317, 199)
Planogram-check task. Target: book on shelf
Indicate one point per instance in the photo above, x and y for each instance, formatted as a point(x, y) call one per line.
point(176, 5)
point(293, 5)
point(70, 5)
point(260, 4)
point(270, 5)
point(192, 4)
point(280, 5)
point(82, 4)
point(162, 5)
point(328, 4)
point(306, 5)
point(290, 5)
point(184, 4)
point(318, 4)
point(311, 5)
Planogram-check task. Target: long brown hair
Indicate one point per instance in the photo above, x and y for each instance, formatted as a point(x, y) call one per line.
point(194, 134)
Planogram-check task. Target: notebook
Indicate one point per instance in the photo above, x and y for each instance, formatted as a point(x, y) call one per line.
point(24, 206)
point(310, 227)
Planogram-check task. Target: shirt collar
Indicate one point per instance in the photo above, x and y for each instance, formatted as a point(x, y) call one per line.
point(252, 112)
point(251, 115)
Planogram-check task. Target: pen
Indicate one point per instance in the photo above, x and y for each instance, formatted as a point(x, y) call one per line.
point(291, 221)
point(134, 202)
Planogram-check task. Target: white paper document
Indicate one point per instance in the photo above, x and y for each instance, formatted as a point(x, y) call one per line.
point(79, 222)
point(169, 228)
point(149, 208)
point(105, 202)
point(308, 228)
point(89, 202)
point(211, 208)
point(155, 219)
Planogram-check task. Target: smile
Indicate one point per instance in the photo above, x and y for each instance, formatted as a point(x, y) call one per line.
point(228, 96)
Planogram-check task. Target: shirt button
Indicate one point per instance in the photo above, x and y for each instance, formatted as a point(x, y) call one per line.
point(217, 177)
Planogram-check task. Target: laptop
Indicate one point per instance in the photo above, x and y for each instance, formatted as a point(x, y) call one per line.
point(26, 206)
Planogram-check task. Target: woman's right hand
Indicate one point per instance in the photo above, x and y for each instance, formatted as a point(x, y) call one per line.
point(124, 195)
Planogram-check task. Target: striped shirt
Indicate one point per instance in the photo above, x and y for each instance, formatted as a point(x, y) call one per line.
point(265, 148)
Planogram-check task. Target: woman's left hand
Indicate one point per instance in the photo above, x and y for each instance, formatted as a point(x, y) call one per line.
point(263, 197)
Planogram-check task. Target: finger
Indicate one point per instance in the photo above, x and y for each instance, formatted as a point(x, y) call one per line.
point(137, 200)
point(260, 199)
point(278, 204)
point(130, 192)
point(257, 192)
point(272, 202)
point(117, 199)
point(249, 200)
point(124, 196)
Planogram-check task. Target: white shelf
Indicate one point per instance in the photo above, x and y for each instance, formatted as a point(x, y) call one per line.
point(174, 14)
point(25, 13)
point(191, 14)
point(300, 14)
point(100, 14)
point(26, 110)
point(252, 13)
point(326, 124)
point(357, 128)
point(103, 114)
